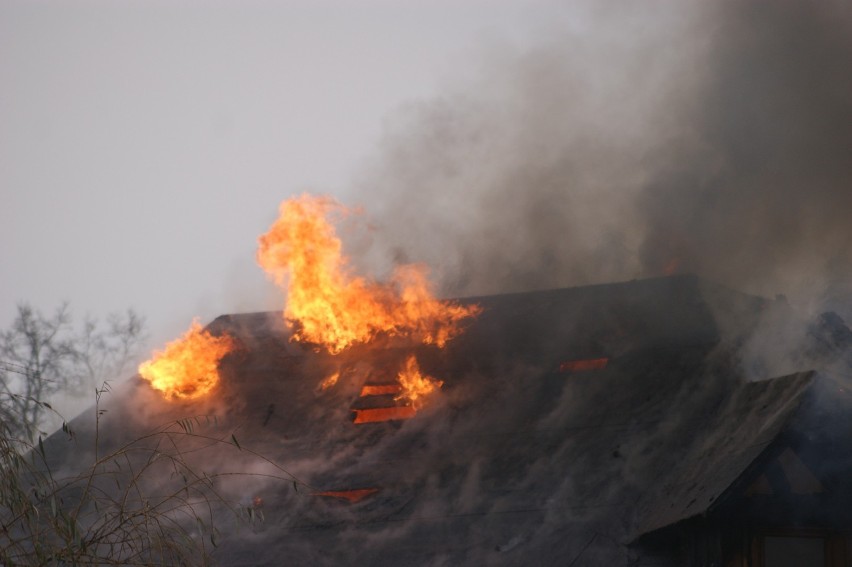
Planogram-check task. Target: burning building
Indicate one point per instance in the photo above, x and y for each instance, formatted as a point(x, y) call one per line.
point(622, 424)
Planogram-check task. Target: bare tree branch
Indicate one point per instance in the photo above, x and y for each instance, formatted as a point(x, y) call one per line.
point(44, 355)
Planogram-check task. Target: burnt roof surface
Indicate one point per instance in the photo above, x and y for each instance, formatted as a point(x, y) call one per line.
point(744, 426)
point(514, 461)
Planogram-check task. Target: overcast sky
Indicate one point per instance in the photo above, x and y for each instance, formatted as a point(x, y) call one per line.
point(145, 145)
point(510, 145)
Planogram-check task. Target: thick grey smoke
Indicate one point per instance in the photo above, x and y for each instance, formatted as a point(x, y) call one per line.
point(713, 138)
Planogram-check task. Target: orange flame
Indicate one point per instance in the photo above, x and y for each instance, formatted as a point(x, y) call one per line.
point(334, 308)
point(188, 367)
point(415, 386)
point(330, 380)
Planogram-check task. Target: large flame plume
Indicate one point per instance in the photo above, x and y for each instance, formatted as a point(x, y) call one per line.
point(333, 308)
point(188, 367)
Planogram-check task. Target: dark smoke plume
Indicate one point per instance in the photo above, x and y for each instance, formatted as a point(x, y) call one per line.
point(713, 138)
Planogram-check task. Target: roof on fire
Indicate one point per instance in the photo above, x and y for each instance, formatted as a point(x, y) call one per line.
point(522, 457)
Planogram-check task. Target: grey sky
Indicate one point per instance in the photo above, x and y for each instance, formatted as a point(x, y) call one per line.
point(145, 145)
point(510, 145)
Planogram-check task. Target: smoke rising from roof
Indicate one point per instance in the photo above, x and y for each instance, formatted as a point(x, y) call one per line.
point(671, 136)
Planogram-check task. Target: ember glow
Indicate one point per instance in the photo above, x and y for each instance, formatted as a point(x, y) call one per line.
point(351, 496)
point(375, 415)
point(327, 305)
point(672, 267)
point(330, 381)
point(188, 367)
point(415, 387)
point(583, 365)
point(380, 390)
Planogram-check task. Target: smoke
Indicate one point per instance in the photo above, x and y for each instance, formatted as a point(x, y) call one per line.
point(673, 136)
point(764, 198)
point(700, 137)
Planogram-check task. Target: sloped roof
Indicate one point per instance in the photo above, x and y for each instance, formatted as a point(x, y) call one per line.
point(515, 461)
point(746, 423)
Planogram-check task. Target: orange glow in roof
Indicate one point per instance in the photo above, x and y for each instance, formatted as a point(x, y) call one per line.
point(416, 386)
point(351, 496)
point(380, 390)
point(672, 267)
point(330, 381)
point(376, 415)
point(584, 365)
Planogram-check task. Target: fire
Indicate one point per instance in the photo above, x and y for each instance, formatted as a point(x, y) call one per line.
point(351, 496)
point(375, 415)
point(330, 380)
point(331, 307)
point(415, 386)
point(188, 367)
point(380, 390)
point(412, 388)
